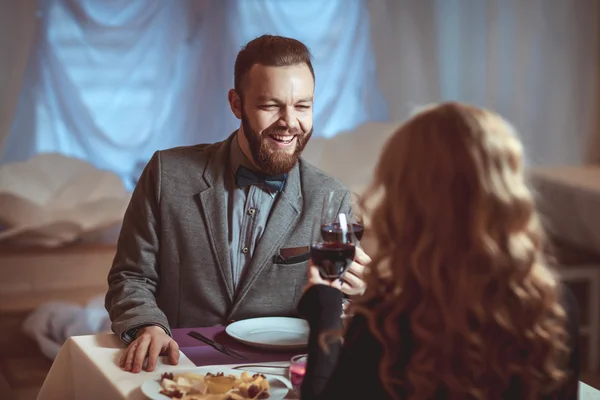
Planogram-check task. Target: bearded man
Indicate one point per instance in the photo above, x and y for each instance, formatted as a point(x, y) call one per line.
point(220, 232)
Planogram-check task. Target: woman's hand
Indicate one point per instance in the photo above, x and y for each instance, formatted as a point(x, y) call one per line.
point(314, 278)
point(351, 283)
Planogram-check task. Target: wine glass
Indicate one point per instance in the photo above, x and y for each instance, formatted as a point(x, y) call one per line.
point(357, 217)
point(333, 240)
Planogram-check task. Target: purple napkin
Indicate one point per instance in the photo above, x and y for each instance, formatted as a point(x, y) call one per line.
point(203, 354)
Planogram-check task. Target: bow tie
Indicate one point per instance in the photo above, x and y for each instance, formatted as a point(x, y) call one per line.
point(246, 177)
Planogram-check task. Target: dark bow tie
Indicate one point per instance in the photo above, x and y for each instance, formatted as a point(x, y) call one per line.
point(246, 177)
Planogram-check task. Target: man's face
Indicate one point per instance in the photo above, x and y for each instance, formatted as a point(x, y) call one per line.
point(276, 114)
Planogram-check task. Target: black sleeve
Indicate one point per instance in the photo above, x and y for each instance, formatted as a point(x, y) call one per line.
point(348, 372)
point(321, 306)
point(570, 390)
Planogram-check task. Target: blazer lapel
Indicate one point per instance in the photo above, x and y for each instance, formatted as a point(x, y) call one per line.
point(284, 214)
point(213, 203)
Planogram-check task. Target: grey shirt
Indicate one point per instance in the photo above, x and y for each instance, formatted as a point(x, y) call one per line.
point(248, 210)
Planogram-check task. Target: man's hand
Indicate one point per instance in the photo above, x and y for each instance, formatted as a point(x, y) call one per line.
point(150, 342)
point(351, 283)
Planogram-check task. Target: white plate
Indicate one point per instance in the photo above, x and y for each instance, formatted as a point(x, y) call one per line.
point(271, 332)
point(279, 389)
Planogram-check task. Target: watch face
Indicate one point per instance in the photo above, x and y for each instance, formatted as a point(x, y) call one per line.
point(132, 332)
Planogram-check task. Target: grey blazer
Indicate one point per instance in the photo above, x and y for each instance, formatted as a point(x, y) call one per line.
point(172, 264)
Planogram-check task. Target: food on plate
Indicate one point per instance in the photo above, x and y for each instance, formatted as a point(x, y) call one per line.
point(191, 386)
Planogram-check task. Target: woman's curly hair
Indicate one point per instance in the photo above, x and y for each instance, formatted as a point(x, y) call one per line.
point(460, 257)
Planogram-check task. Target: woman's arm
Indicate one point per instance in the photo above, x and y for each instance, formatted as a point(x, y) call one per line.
point(348, 371)
point(321, 306)
point(570, 390)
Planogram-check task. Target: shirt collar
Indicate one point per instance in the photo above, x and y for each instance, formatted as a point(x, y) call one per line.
point(237, 158)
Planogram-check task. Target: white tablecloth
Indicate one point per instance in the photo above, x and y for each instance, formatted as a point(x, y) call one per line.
point(87, 368)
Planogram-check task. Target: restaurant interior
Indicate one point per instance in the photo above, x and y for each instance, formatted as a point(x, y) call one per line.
point(90, 89)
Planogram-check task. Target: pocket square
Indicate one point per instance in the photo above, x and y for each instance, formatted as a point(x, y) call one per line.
point(292, 255)
point(293, 251)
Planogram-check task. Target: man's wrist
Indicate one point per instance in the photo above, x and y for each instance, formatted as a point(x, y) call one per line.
point(131, 334)
point(134, 331)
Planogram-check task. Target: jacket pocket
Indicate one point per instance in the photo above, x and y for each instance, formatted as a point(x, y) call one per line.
point(291, 259)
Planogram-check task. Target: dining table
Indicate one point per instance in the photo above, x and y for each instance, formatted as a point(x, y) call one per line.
point(87, 367)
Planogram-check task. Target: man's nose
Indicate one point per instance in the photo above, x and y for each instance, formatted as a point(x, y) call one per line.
point(289, 119)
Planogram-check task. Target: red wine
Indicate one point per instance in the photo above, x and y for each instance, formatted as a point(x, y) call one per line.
point(333, 232)
point(332, 259)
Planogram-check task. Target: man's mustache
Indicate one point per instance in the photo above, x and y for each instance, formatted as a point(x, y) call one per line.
point(284, 131)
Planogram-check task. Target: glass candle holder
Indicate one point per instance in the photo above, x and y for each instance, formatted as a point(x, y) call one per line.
point(296, 371)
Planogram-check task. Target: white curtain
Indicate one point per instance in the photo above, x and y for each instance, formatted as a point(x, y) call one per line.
point(113, 81)
point(533, 61)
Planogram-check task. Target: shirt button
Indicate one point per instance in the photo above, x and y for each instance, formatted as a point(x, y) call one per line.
point(244, 250)
point(252, 211)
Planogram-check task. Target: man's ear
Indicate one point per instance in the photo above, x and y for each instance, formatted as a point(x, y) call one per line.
point(235, 102)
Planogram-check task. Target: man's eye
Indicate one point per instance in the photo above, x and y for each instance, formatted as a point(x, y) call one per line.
point(303, 107)
point(268, 106)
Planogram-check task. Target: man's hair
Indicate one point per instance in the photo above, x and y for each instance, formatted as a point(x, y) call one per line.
point(272, 51)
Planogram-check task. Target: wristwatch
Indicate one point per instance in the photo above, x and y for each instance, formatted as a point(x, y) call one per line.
point(133, 331)
point(129, 335)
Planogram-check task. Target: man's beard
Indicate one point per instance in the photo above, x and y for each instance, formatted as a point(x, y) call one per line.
point(273, 161)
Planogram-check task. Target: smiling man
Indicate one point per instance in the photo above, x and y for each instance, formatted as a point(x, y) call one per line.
point(220, 232)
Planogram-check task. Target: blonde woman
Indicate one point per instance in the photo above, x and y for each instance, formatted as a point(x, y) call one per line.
point(460, 300)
